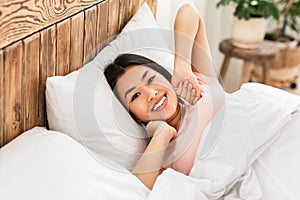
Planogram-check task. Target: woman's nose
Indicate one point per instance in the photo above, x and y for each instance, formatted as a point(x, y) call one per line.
point(151, 93)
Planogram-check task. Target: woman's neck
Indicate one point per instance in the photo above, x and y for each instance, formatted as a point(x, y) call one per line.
point(176, 118)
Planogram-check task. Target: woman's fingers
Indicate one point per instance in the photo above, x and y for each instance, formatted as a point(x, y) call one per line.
point(192, 97)
point(179, 89)
point(184, 89)
point(195, 99)
point(198, 91)
point(194, 94)
point(187, 92)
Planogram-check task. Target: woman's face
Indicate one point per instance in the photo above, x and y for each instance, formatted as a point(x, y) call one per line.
point(147, 94)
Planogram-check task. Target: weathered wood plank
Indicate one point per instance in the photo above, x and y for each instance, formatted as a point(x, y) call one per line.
point(22, 75)
point(1, 97)
point(76, 41)
point(123, 14)
point(130, 9)
point(152, 4)
point(47, 68)
point(30, 79)
point(113, 16)
point(48, 51)
point(63, 47)
point(39, 14)
point(133, 7)
point(13, 104)
point(140, 3)
point(90, 34)
point(102, 22)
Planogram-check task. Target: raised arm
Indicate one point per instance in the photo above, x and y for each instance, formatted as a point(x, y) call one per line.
point(191, 48)
point(191, 43)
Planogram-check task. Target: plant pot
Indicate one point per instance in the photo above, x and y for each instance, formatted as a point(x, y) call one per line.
point(248, 34)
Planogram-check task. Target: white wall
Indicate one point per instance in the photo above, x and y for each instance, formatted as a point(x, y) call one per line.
point(218, 21)
point(166, 10)
point(218, 26)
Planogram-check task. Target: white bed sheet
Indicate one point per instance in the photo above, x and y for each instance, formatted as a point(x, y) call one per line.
point(277, 171)
point(43, 164)
point(278, 168)
point(49, 165)
point(262, 163)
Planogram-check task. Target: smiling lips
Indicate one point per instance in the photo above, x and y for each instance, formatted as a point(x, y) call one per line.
point(159, 104)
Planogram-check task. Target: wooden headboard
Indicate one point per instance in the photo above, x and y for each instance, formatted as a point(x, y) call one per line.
point(38, 40)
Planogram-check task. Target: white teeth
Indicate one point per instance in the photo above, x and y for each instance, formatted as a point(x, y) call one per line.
point(156, 106)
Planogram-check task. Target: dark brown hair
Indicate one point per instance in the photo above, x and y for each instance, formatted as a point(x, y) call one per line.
point(114, 70)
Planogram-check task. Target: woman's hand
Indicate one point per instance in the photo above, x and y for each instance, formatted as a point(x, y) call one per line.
point(161, 129)
point(186, 85)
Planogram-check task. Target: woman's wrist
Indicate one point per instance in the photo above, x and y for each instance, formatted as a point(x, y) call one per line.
point(166, 135)
point(182, 70)
point(181, 64)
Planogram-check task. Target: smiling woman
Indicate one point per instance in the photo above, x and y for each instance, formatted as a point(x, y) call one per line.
point(165, 103)
point(150, 95)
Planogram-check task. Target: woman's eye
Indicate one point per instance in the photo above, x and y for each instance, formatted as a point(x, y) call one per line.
point(151, 79)
point(135, 96)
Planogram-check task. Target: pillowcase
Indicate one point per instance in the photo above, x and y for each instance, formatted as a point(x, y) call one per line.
point(82, 105)
point(42, 164)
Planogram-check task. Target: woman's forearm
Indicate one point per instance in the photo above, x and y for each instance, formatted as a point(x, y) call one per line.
point(148, 167)
point(185, 30)
point(191, 45)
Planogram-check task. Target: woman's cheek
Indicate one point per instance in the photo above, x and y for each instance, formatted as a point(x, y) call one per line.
point(137, 108)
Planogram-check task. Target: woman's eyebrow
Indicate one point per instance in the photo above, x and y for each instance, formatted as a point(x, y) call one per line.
point(132, 88)
point(128, 91)
point(144, 75)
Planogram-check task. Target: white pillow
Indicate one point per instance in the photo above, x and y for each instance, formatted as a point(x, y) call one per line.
point(82, 105)
point(41, 164)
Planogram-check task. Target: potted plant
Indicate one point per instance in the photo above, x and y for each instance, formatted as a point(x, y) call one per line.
point(284, 71)
point(248, 28)
point(289, 17)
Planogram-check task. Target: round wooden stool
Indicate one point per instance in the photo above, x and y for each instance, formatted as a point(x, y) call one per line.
point(264, 55)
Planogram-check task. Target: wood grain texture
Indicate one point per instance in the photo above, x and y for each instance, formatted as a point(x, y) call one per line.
point(123, 14)
point(47, 68)
point(113, 17)
point(20, 18)
point(133, 6)
point(76, 41)
point(56, 49)
point(152, 4)
point(1, 97)
point(12, 91)
point(266, 51)
point(90, 34)
point(63, 47)
point(30, 80)
point(102, 22)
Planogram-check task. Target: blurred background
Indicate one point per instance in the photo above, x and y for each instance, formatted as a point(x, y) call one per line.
point(218, 23)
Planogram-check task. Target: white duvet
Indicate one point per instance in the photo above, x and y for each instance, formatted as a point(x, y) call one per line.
point(254, 155)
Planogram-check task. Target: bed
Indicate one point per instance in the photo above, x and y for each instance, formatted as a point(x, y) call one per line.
point(61, 138)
